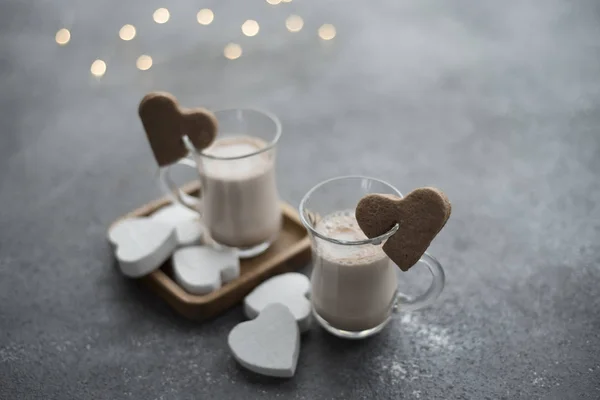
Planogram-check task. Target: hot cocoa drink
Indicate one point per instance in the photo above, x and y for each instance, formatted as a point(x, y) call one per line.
point(353, 287)
point(240, 200)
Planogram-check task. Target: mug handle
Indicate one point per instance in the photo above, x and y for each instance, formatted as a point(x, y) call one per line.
point(405, 303)
point(173, 191)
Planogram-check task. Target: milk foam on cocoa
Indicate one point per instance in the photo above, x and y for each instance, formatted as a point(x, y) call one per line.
point(342, 225)
point(235, 169)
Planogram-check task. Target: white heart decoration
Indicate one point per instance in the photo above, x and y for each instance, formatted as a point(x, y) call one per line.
point(186, 222)
point(268, 345)
point(289, 289)
point(202, 269)
point(142, 245)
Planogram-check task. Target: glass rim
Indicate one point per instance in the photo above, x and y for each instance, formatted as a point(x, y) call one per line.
point(375, 240)
point(268, 147)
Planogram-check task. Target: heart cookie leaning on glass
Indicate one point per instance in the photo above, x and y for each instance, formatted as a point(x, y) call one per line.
point(360, 227)
point(233, 151)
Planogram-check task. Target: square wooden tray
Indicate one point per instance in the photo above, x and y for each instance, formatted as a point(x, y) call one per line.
point(289, 252)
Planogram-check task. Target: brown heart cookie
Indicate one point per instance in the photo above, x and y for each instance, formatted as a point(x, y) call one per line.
point(420, 216)
point(166, 123)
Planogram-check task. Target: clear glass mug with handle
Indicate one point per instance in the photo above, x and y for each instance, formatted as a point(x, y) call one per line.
point(239, 203)
point(354, 291)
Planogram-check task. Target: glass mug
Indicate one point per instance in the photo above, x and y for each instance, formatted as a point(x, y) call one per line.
point(354, 284)
point(239, 202)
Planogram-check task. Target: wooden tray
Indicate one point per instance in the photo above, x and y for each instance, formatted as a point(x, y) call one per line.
point(289, 252)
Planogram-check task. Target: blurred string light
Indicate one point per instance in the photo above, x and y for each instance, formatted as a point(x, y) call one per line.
point(273, 2)
point(161, 15)
point(250, 28)
point(98, 68)
point(144, 62)
point(232, 51)
point(63, 36)
point(286, 1)
point(327, 32)
point(294, 23)
point(127, 32)
point(205, 16)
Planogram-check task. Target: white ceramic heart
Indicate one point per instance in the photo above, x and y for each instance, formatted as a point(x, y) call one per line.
point(202, 269)
point(268, 345)
point(142, 245)
point(186, 222)
point(289, 289)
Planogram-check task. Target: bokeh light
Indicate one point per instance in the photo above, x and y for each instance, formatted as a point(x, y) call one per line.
point(63, 36)
point(250, 28)
point(205, 16)
point(232, 51)
point(161, 15)
point(144, 62)
point(98, 68)
point(327, 32)
point(127, 32)
point(273, 2)
point(294, 23)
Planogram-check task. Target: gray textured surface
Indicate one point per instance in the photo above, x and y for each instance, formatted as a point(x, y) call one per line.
point(498, 103)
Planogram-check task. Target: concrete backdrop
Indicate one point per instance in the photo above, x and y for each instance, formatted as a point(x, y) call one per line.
point(497, 103)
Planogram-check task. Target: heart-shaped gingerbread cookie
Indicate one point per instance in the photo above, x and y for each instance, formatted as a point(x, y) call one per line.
point(420, 216)
point(166, 123)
